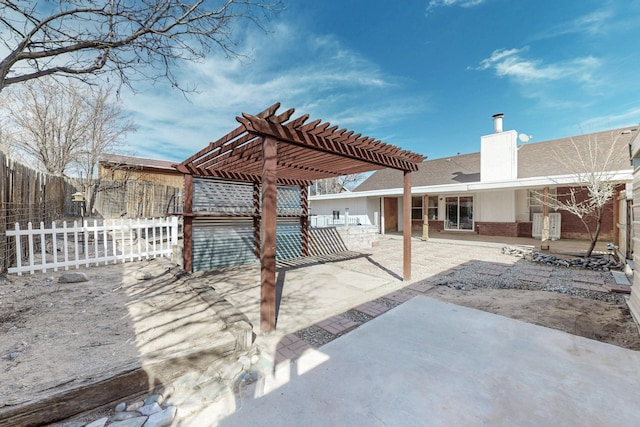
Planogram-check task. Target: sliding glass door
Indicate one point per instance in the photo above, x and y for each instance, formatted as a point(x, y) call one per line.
point(459, 213)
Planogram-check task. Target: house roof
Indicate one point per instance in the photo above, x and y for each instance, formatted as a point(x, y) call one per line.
point(139, 162)
point(541, 159)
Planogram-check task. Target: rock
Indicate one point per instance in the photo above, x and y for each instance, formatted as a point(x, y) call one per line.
point(122, 416)
point(162, 418)
point(229, 372)
point(14, 355)
point(245, 362)
point(149, 409)
point(121, 406)
point(135, 406)
point(154, 398)
point(133, 422)
point(73, 277)
point(141, 275)
point(249, 377)
point(98, 423)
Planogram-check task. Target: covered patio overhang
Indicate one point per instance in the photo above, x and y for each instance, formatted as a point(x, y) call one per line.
point(270, 148)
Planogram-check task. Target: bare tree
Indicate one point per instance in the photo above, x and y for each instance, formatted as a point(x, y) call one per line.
point(594, 163)
point(129, 38)
point(337, 184)
point(65, 128)
point(106, 125)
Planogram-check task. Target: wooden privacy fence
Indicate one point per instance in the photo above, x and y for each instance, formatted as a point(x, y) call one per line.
point(28, 195)
point(112, 241)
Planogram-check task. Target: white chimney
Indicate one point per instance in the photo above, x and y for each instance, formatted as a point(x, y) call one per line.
point(499, 153)
point(497, 122)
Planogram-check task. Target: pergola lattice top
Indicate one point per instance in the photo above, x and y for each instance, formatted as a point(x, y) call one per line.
point(306, 151)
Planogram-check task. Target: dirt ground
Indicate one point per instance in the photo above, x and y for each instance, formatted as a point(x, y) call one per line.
point(58, 335)
point(598, 320)
point(51, 332)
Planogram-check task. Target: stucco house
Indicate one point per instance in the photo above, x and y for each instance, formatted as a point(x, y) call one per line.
point(496, 191)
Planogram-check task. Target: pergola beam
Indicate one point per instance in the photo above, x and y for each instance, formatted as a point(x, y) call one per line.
point(259, 126)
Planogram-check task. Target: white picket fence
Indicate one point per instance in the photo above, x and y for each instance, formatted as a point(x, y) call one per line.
point(101, 243)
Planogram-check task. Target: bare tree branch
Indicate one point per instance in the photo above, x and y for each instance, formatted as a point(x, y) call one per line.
point(337, 184)
point(65, 128)
point(593, 164)
point(132, 39)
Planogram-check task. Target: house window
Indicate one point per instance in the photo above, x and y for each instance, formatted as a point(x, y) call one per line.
point(459, 213)
point(432, 212)
point(336, 215)
point(416, 208)
point(636, 161)
point(535, 198)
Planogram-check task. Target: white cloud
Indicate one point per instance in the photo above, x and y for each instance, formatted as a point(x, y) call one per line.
point(314, 74)
point(628, 117)
point(593, 23)
point(512, 64)
point(434, 4)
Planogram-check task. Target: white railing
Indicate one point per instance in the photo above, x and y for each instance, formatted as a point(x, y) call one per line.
point(84, 244)
point(343, 220)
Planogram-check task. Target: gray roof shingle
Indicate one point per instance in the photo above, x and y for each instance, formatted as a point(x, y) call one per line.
point(541, 159)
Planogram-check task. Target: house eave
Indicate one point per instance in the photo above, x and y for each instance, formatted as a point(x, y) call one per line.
point(515, 184)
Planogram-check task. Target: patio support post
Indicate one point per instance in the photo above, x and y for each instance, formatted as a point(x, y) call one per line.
point(382, 214)
point(425, 217)
point(406, 221)
point(544, 245)
point(616, 217)
point(268, 231)
point(187, 256)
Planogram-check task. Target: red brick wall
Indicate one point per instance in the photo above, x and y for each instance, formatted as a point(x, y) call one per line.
point(505, 229)
point(525, 229)
point(572, 228)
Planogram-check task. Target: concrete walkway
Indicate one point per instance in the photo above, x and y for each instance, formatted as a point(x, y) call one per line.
point(437, 364)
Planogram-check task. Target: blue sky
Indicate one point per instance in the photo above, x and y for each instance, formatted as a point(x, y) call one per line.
point(424, 75)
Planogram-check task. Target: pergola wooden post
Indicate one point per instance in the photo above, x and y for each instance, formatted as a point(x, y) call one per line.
point(269, 149)
point(406, 221)
point(268, 226)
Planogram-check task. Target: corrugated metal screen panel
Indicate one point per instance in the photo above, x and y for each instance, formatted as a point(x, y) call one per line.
point(225, 242)
point(289, 201)
point(288, 238)
point(222, 242)
point(229, 241)
point(216, 196)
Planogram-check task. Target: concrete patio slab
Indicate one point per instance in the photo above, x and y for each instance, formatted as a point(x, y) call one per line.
point(450, 365)
point(301, 290)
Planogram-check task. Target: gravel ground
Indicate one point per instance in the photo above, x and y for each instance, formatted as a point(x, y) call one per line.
point(315, 335)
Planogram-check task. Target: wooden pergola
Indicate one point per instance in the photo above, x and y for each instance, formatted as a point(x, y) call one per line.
point(270, 148)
